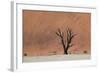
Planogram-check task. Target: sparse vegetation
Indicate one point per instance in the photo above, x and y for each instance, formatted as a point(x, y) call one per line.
point(25, 54)
point(66, 43)
point(85, 52)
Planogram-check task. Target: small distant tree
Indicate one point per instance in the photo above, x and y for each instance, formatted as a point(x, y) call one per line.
point(66, 43)
point(25, 54)
point(85, 52)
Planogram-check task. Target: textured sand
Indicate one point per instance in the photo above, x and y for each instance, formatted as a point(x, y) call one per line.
point(39, 29)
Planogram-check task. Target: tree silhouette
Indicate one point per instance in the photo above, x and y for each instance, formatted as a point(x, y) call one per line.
point(66, 43)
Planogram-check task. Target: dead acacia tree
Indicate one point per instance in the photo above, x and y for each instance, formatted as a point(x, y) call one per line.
point(66, 42)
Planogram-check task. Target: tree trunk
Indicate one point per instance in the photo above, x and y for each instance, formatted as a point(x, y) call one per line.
point(65, 52)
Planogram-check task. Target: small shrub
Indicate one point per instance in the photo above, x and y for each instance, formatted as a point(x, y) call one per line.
point(25, 54)
point(85, 51)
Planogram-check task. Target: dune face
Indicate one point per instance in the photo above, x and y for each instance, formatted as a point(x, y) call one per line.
point(40, 27)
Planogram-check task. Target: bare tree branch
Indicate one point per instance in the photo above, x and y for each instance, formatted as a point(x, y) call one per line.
point(61, 35)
